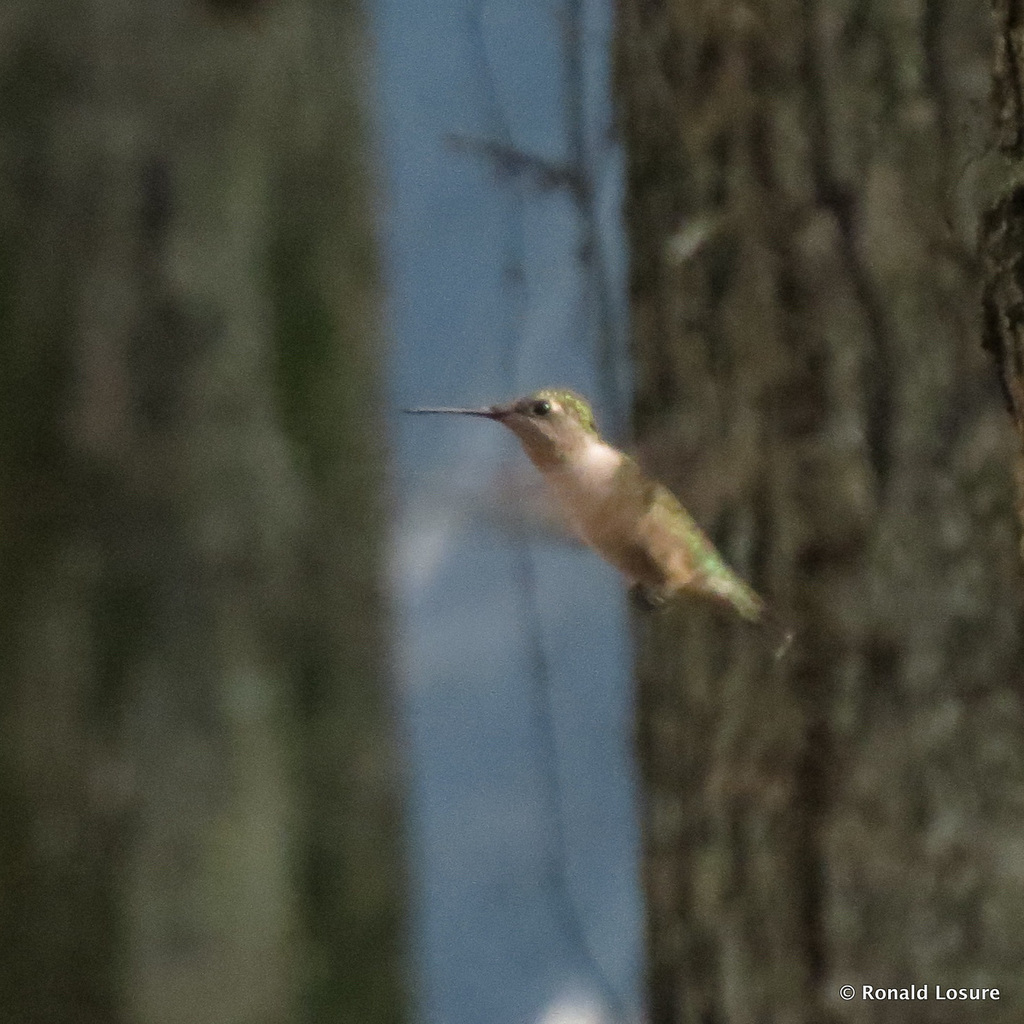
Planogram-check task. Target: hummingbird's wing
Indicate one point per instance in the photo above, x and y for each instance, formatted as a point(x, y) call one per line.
point(513, 499)
point(520, 502)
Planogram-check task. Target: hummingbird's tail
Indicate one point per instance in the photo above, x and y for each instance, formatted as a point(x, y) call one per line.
point(730, 589)
point(754, 609)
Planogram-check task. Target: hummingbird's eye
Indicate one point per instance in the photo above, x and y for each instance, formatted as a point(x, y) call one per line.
point(541, 408)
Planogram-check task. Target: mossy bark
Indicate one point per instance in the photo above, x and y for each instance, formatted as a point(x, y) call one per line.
point(197, 774)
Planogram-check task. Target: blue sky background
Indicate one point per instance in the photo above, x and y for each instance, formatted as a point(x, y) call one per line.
point(513, 654)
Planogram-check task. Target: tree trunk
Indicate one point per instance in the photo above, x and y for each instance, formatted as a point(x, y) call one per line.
point(196, 774)
point(801, 208)
point(1002, 230)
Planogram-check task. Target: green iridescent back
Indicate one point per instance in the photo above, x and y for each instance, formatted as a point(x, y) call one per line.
point(576, 405)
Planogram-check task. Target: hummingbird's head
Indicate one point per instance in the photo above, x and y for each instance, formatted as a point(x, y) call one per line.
point(552, 425)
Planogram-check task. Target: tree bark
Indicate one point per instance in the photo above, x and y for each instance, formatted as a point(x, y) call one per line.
point(801, 206)
point(1002, 230)
point(196, 777)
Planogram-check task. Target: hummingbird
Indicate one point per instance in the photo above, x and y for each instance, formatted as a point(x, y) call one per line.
point(630, 520)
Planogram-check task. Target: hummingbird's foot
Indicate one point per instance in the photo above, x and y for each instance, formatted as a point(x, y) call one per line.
point(646, 598)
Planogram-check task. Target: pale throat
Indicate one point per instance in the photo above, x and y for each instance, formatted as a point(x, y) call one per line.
point(591, 468)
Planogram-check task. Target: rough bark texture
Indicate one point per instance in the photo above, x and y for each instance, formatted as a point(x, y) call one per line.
point(195, 774)
point(1001, 238)
point(802, 215)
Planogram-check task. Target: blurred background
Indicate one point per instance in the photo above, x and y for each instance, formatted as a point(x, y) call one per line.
point(307, 713)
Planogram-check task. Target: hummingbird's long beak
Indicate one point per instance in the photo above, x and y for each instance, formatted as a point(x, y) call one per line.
point(493, 412)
